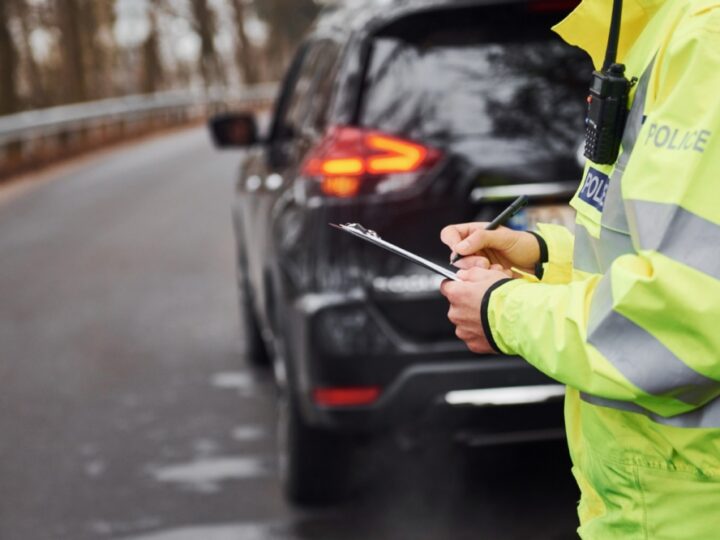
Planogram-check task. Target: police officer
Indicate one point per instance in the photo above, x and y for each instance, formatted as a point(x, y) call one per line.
point(626, 312)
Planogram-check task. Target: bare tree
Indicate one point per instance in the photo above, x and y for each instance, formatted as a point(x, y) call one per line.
point(288, 21)
point(63, 51)
point(204, 24)
point(69, 16)
point(153, 70)
point(34, 90)
point(98, 42)
point(246, 57)
point(9, 99)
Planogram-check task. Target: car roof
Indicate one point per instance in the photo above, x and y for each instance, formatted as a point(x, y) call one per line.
point(367, 16)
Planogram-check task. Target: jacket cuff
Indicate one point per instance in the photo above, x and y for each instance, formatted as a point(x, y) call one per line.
point(539, 268)
point(557, 266)
point(484, 306)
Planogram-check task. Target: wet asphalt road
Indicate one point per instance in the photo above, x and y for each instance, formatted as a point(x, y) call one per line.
point(127, 410)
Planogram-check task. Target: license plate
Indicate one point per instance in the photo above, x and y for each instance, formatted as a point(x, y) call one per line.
point(558, 214)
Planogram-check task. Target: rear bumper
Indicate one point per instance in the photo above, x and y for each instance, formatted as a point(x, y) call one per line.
point(451, 391)
point(417, 381)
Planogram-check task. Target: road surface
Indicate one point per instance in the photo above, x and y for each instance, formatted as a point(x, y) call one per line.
point(127, 411)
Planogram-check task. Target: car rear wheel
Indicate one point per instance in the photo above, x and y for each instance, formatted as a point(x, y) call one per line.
point(316, 465)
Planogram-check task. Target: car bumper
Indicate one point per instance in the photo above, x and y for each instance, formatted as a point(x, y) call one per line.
point(437, 380)
point(446, 390)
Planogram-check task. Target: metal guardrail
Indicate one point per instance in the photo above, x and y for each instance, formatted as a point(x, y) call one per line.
point(32, 137)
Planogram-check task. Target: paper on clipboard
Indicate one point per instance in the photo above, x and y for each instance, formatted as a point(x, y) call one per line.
point(371, 236)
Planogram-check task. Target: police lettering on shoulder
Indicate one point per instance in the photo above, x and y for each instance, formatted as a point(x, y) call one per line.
point(664, 136)
point(595, 188)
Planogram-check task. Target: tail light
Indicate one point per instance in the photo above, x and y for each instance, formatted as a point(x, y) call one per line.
point(349, 160)
point(346, 396)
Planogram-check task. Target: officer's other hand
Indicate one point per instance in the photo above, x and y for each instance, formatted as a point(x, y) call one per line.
point(465, 297)
point(503, 246)
point(478, 261)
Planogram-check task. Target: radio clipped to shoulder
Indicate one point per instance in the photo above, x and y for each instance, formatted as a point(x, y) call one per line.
point(608, 101)
point(606, 115)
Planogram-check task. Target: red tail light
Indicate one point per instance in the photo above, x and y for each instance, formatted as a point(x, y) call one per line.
point(347, 156)
point(346, 396)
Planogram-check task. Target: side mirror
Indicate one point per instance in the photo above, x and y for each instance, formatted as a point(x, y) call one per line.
point(234, 130)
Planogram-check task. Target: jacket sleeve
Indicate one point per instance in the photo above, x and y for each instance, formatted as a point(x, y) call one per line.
point(647, 331)
point(557, 246)
point(557, 251)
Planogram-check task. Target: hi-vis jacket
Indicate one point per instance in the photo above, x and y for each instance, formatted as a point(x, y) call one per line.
point(627, 314)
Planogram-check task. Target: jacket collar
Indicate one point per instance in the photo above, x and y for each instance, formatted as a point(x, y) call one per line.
point(588, 26)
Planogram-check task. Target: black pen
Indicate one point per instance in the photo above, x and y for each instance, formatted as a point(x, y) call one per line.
point(504, 216)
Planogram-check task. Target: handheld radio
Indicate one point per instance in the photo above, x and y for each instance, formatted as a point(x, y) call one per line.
point(608, 101)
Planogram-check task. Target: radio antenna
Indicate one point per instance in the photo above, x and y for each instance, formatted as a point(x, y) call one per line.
point(614, 37)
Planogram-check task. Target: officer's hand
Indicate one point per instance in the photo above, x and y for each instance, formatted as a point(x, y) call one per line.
point(503, 246)
point(465, 298)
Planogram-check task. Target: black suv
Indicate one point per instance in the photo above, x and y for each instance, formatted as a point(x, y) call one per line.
point(404, 116)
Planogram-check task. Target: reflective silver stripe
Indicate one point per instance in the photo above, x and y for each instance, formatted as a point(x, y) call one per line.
point(626, 406)
point(612, 244)
point(613, 216)
point(704, 417)
point(646, 362)
point(595, 255)
point(676, 233)
point(601, 305)
point(707, 416)
point(584, 258)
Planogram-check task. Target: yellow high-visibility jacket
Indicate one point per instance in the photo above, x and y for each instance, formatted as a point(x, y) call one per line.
point(627, 313)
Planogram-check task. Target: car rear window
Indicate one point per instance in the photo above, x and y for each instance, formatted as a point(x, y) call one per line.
point(488, 82)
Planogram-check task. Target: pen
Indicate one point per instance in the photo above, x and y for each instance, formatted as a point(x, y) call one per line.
point(504, 216)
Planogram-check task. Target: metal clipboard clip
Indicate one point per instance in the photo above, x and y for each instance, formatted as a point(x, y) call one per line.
point(371, 236)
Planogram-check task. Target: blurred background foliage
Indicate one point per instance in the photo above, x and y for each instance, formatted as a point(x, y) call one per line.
point(54, 52)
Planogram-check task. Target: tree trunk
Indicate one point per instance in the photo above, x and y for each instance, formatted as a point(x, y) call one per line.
point(288, 21)
point(246, 60)
point(152, 75)
point(37, 93)
point(97, 23)
point(210, 67)
point(9, 100)
point(69, 15)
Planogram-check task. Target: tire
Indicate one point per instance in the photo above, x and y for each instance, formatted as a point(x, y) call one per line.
point(256, 351)
point(316, 465)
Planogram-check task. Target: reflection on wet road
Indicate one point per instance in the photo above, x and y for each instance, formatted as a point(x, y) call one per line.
point(127, 411)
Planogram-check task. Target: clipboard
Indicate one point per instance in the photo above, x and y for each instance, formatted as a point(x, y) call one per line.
point(371, 236)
